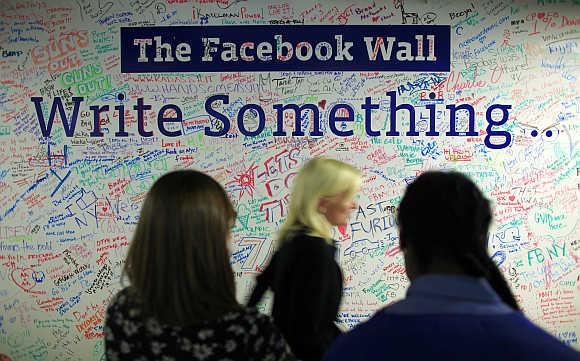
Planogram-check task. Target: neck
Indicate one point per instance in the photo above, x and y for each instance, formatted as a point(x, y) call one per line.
point(440, 267)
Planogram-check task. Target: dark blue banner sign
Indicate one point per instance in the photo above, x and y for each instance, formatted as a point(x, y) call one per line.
point(417, 48)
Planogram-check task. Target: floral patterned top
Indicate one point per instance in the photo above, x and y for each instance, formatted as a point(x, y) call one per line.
point(242, 335)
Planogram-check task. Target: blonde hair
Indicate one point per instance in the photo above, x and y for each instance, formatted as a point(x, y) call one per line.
point(318, 178)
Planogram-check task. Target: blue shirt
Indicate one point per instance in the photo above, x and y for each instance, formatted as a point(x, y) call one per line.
point(449, 318)
point(443, 294)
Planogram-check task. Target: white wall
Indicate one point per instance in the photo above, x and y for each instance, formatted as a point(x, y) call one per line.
point(83, 206)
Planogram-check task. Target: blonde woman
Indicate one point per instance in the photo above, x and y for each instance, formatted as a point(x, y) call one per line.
point(303, 274)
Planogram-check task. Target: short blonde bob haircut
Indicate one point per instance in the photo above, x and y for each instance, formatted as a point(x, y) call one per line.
point(320, 177)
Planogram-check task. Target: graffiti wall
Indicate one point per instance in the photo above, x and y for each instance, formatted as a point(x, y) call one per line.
point(69, 204)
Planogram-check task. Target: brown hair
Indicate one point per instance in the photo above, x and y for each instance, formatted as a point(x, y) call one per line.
point(178, 262)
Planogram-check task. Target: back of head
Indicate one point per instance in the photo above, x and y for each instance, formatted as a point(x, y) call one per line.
point(443, 217)
point(178, 262)
point(318, 178)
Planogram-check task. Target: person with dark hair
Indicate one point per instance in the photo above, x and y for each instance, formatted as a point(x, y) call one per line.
point(180, 304)
point(304, 276)
point(459, 306)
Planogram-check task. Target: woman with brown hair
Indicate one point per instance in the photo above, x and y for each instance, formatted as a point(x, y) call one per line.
point(181, 303)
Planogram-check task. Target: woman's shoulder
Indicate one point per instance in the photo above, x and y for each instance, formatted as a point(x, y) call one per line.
point(124, 307)
point(124, 298)
point(247, 316)
point(243, 325)
point(121, 299)
point(302, 244)
point(125, 301)
point(302, 238)
point(256, 325)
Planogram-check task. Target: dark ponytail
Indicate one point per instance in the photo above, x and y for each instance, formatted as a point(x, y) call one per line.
point(444, 215)
point(482, 266)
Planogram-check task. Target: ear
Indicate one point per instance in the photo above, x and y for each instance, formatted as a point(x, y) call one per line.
point(322, 205)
